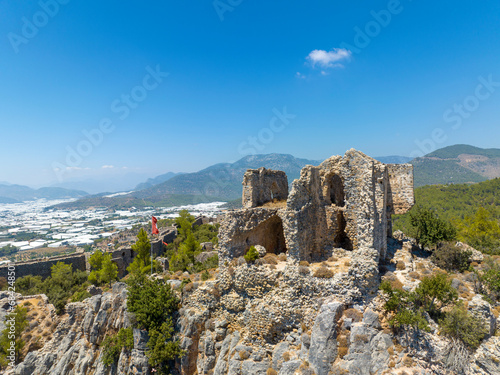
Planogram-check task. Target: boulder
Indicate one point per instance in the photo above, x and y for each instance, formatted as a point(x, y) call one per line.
point(323, 349)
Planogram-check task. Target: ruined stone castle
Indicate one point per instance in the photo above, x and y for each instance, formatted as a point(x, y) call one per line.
point(345, 202)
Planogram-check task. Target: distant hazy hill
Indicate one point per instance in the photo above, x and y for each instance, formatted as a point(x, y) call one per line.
point(457, 164)
point(8, 200)
point(393, 159)
point(218, 182)
point(157, 180)
point(223, 180)
point(16, 193)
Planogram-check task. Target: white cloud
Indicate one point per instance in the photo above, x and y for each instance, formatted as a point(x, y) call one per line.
point(300, 75)
point(77, 169)
point(330, 59)
point(107, 166)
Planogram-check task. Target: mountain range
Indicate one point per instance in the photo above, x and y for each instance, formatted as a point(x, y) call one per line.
point(222, 182)
point(10, 193)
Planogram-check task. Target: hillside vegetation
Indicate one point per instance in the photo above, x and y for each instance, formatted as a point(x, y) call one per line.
point(457, 164)
point(474, 209)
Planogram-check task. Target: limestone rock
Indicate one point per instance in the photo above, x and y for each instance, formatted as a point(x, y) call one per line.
point(323, 349)
point(261, 250)
point(482, 309)
point(487, 357)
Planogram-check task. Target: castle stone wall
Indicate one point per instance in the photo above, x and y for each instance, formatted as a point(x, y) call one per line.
point(43, 267)
point(263, 185)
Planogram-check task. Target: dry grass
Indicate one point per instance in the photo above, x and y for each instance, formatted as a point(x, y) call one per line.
point(286, 356)
point(41, 325)
point(400, 265)
point(275, 204)
point(282, 257)
point(496, 311)
point(343, 342)
point(361, 338)
point(414, 275)
point(394, 281)
point(271, 371)
point(408, 362)
point(244, 354)
point(304, 263)
point(353, 314)
point(420, 266)
point(323, 272)
point(342, 351)
point(270, 258)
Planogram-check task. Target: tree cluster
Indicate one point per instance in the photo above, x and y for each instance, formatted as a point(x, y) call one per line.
point(436, 297)
point(59, 287)
point(182, 252)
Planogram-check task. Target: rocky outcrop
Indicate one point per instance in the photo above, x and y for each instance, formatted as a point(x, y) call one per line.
point(323, 347)
point(74, 348)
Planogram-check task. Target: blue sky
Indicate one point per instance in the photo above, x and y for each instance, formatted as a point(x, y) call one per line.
point(386, 77)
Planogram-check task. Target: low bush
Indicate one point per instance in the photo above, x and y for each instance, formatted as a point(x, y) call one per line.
point(271, 259)
point(451, 258)
point(460, 324)
point(113, 345)
point(303, 270)
point(323, 272)
point(353, 314)
point(205, 276)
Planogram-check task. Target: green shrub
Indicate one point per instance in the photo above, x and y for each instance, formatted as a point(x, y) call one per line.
point(434, 293)
point(490, 279)
point(462, 325)
point(113, 345)
point(103, 269)
point(451, 258)
point(153, 303)
point(80, 295)
point(20, 323)
point(405, 310)
point(205, 276)
point(428, 229)
point(251, 255)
